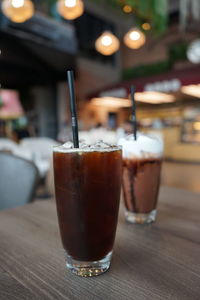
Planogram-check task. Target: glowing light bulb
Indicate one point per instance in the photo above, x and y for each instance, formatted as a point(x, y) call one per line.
point(107, 43)
point(70, 3)
point(146, 26)
point(17, 3)
point(106, 40)
point(134, 38)
point(134, 35)
point(127, 9)
point(18, 11)
point(70, 9)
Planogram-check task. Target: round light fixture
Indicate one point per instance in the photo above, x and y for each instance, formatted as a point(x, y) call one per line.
point(193, 52)
point(18, 11)
point(127, 9)
point(146, 26)
point(107, 43)
point(134, 38)
point(70, 9)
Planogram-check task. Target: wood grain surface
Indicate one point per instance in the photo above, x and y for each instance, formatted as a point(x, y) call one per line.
point(157, 261)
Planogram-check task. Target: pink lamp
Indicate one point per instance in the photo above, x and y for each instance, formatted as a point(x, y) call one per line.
point(10, 107)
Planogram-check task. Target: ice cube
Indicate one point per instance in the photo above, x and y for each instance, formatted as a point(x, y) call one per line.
point(83, 144)
point(100, 144)
point(68, 145)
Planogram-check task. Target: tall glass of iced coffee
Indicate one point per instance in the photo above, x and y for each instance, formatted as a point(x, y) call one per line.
point(142, 160)
point(87, 186)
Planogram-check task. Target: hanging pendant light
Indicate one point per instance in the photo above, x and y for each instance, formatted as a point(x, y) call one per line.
point(70, 9)
point(107, 43)
point(134, 38)
point(146, 26)
point(18, 11)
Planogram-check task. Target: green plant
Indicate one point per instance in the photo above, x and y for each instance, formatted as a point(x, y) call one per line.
point(146, 70)
point(176, 52)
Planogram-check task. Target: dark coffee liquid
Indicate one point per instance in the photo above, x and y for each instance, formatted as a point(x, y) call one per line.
point(141, 181)
point(87, 189)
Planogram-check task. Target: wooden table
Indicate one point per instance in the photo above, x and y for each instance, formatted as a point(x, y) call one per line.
point(158, 261)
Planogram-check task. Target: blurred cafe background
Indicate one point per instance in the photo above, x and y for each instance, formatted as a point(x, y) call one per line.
point(111, 45)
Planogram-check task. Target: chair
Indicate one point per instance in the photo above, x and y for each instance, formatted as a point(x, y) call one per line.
point(18, 181)
point(9, 146)
point(41, 149)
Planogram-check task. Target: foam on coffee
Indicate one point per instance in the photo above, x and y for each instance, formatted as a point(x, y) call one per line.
point(99, 146)
point(145, 146)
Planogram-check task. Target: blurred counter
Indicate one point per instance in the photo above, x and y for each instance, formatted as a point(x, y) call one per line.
point(181, 165)
point(177, 150)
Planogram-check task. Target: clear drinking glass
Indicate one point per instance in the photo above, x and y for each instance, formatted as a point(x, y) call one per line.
point(142, 160)
point(87, 186)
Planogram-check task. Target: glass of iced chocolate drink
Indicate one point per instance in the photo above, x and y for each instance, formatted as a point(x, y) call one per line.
point(142, 160)
point(87, 186)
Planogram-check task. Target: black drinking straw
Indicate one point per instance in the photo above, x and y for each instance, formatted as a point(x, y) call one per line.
point(133, 115)
point(70, 77)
